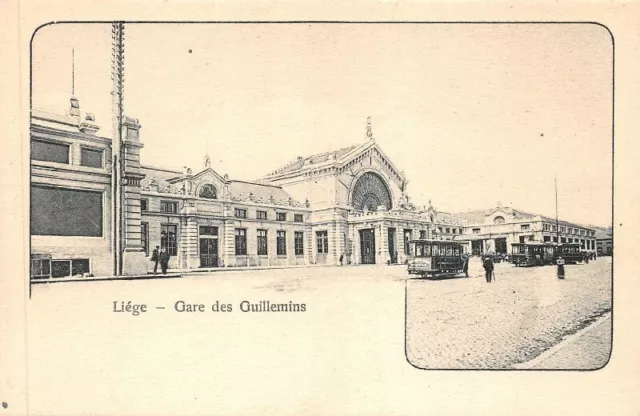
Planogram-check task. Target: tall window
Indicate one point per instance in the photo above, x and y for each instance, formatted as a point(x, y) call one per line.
point(144, 205)
point(281, 243)
point(49, 151)
point(407, 238)
point(208, 191)
point(298, 218)
point(262, 243)
point(65, 212)
point(298, 242)
point(169, 238)
point(240, 213)
point(241, 241)
point(423, 234)
point(322, 241)
point(91, 157)
point(281, 216)
point(144, 237)
point(169, 207)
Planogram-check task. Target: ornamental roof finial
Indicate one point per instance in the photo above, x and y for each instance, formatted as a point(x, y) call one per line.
point(207, 161)
point(369, 130)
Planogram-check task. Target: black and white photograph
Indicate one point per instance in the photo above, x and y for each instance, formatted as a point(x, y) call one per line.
point(309, 204)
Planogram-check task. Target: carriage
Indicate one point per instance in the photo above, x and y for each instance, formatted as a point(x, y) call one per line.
point(570, 252)
point(435, 258)
point(535, 254)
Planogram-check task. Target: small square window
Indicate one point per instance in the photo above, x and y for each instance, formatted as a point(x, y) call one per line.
point(91, 158)
point(240, 213)
point(281, 216)
point(261, 215)
point(298, 218)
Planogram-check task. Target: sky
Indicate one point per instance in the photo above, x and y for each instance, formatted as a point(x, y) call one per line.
point(472, 113)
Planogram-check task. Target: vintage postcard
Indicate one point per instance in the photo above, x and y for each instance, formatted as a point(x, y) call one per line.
point(319, 217)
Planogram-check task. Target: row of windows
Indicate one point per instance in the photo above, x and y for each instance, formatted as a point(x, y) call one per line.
point(59, 153)
point(450, 230)
point(262, 215)
point(166, 207)
point(262, 242)
point(569, 230)
point(585, 244)
point(46, 268)
point(171, 207)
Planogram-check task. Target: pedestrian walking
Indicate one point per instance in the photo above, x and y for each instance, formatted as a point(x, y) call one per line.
point(341, 258)
point(164, 260)
point(465, 264)
point(560, 263)
point(155, 259)
point(488, 268)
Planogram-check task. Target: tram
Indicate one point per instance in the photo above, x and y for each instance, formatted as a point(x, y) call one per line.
point(570, 252)
point(435, 258)
point(526, 255)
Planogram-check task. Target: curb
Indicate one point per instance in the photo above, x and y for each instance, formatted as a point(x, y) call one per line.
point(563, 344)
point(107, 278)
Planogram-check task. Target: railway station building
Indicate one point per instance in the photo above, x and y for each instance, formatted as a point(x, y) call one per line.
point(494, 230)
point(347, 206)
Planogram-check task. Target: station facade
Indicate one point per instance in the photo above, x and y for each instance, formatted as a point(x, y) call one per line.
point(494, 230)
point(348, 206)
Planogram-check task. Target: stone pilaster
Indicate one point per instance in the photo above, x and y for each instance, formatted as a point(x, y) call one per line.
point(229, 238)
point(188, 244)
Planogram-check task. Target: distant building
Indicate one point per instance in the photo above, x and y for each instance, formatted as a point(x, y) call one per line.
point(494, 230)
point(604, 241)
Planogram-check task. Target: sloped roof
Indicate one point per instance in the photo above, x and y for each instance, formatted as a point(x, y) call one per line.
point(478, 216)
point(160, 175)
point(313, 159)
point(260, 192)
point(603, 233)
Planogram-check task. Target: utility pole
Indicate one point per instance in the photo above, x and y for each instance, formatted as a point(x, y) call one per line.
point(557, 221)
point(117, 95)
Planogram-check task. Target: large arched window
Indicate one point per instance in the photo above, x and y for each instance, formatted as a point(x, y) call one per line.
point(370, 192)
point(208, 191)
point(498, 220)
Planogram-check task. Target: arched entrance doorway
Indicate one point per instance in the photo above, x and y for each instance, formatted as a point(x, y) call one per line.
point(370, 193)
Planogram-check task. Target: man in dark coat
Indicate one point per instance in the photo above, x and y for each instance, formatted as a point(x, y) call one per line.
point(164, 260)
point(155, 258)
point(465, 264)
point(488, 268)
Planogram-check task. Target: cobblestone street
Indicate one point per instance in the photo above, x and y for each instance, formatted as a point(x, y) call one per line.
point(468, 323)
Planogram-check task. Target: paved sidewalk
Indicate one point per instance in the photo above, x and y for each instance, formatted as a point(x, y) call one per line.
point(588, 349)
